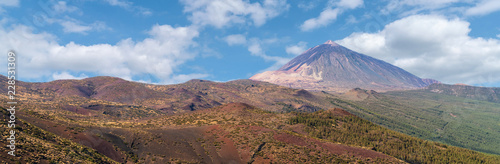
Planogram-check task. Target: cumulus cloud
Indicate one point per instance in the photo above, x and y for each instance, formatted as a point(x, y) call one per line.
point(325, 17)
point(484, 7)
point(222, 13)
point(236, 39)
point(297, 49)
point(432, 46)
point(66, 75)
point(330, 13)
point(39, 55)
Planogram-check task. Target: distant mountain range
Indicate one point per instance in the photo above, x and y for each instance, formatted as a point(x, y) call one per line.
point(332, 67)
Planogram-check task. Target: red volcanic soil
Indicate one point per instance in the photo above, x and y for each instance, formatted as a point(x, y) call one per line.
point(76, 109)
point(228, 150)
point(331, 147)
point(232, 107)
point(341, 112)
point(86, 138)
point(291, 139)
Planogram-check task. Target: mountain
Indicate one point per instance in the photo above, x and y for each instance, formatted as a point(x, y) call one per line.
point(332, 67)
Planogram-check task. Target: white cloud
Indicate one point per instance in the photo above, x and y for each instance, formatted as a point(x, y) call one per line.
point(8, 3)
point(446, 7)
point(432, 46)
point(307, 5)
point(255, 49)
point(351, 19)
point(326, 17)
point(329, 14)
point(12, 3)
point(222, 13)
point(254, 46)
point(484, 7)
point(237, 39)
point(186, 77)
point(498, 35)
point(73, 26)
point(297, 49)
point(39, 55)
point(66, 75)
point(425, 4)
point(62, 7)
point(69, 24)
point(120, 3)
point(349, 4)
point(130, 7)
point(412, 7)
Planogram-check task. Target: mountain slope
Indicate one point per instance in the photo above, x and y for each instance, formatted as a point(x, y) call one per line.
point(242, 133)
point(431, 115)
point(332, 67)
point(122, 95)
point(465, 91)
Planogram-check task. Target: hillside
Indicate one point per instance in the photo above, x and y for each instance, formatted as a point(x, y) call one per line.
point(332, 67)
point(465, 91)
point(430, 115)
point(238, 121)
point(157, 99)
point(241, 133)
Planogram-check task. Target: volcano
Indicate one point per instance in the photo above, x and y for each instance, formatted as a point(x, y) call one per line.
point(332, 67)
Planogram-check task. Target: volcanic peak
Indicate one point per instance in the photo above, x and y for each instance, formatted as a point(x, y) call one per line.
point(331, 43)
point(332, 67)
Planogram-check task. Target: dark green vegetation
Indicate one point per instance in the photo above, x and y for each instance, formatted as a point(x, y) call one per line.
point(353, 130)
point(446, 118)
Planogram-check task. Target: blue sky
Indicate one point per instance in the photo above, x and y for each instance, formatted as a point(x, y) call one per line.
point(453, 41)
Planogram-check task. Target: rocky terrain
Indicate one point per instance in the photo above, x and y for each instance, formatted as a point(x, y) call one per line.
point(111, 120)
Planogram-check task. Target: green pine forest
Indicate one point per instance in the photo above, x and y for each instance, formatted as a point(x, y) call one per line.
point(353, 130)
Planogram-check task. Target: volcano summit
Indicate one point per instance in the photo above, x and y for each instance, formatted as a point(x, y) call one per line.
point(332, 67)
